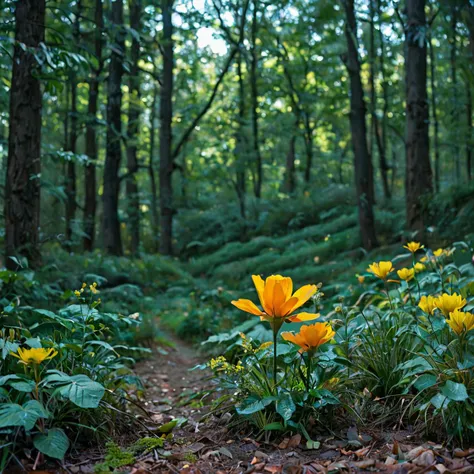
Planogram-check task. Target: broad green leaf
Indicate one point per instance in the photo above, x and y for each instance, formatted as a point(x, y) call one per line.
point(168, 427)
point(285, 406)
point(275, 426)
point(425, 381)
point(12, 414)
point(80, 389)
point(252, 405)
point(26, 386)
point(54, 443)
point(455, 391)
point(439, 401)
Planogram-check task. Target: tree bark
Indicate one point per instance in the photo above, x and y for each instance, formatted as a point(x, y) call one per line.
point(112, 237)
point(418, 179)
point(362, 161)
point(71, 185)
point(240, 148)
point(133, 200)
point(289, 183)
point(376, 132)
point(22, 185)
point(90, 179)
point(151, 172)
point(254, 96)
point(166, 115)
point(469, 130)
point(434, 113)
point(454, 86)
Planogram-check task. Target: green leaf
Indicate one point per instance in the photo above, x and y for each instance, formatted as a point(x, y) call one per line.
point(275, 426)
point(439, 401)
point(26, 386)
point(168, 427)
point(252, 405)
point(285, 406)
point(80, 389)
point(454, 391)
point(12, 414)
point(425, 381)
point(54, 444)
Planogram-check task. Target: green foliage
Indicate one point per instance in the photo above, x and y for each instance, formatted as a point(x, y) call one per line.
point(115, 458)
point(392, 359)
point(64, 373)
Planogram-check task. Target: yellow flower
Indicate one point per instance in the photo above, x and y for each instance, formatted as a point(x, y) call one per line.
point(84, 284)
point(77, 293)
point(406, 274)
point(460, 321)
point(310, 337)
point(427, 304)
point(419, 267)
point(93, 288)
point(424, 259)
point(278, 300)
point(361, 278)
point(34, 356)
point(381, 269)
point(438, 252)
point(449, 303)
point(413, 246)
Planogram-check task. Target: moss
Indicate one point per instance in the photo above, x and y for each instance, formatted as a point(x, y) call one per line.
point(115, 458)
point(145, 445)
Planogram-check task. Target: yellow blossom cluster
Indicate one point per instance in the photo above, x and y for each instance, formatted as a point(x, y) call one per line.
point(220, 364)
point(93, 289)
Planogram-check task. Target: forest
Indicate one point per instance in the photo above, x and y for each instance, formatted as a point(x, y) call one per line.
point(237, 236)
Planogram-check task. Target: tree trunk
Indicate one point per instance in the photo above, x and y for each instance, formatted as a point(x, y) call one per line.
point(166, 115)
point(308, 141)
point(434, 113)
point(90, 191)
point(418, 180)
point(71, 186)
point(254, 95)
point(362, 161)
point(289, 183)
point(151, 172)
point(133, 200)
point(112, 237)
point(22, 184)
point(377, 133)
point(454, 94)
point(469, 130)
point(240, 148)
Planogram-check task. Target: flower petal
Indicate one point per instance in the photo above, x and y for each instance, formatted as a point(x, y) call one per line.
point(300, 317)
point(259, 286)
point(268, 293)
point(248, 306)
point(303, 295)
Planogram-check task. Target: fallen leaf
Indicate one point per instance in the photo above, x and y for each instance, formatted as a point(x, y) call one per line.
point(294, 441)
point(284, 443)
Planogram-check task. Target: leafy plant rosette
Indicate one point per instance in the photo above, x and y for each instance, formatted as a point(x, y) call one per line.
point(408, 340)
point(61, 374)
point(282, 384)
point(402, 351)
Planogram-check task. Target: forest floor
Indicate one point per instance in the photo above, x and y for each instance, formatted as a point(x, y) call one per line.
point(208, 444)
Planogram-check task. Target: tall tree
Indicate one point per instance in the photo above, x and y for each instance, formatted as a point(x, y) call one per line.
point(112, 237)
point(151, 172)
point(71, 186)
point(362, 160)
point(254, 95)
point(434, 114)
point(22, 184)
point(166, 137)
point(454, 86)
point(133, 201)
point(90, 179)
point(418, 179)
point(376, 130)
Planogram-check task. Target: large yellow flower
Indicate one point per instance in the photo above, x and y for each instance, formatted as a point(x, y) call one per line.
point(406, 274)
point(310, 337)
point(34, 356)
point(461, 321)
point(278, 300)
point(381, 269)
point(427, 304)
point(448, 303)
point(413, 246)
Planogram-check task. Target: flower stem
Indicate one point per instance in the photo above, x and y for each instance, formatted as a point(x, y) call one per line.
point(275, 333)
